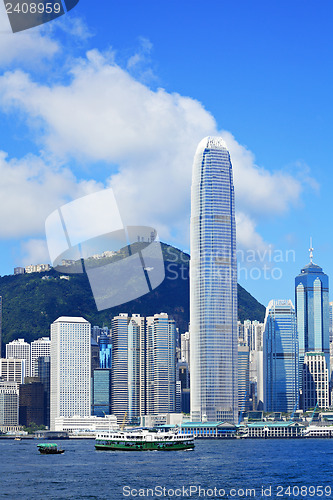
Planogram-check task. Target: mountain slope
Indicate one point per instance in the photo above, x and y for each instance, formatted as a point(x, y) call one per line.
point(31, 303)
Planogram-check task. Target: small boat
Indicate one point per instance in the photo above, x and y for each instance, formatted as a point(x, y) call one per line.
point(17, 438)
point(143, 440)
point(49, 449)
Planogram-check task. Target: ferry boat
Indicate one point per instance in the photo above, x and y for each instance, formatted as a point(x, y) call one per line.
point(142, 440)
point(49, 449)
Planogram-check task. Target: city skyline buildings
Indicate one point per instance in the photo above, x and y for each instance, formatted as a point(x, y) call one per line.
point(213, 285)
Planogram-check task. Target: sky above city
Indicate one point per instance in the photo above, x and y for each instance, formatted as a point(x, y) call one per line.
point(118, 94)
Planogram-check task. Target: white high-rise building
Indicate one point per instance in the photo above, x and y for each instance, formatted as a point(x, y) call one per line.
point(39, 348)
point(213, 285)
point(70, 368)
point(12, 370)
point(19, 349)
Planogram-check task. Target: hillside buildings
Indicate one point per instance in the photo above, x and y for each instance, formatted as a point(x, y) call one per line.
point(213, 285)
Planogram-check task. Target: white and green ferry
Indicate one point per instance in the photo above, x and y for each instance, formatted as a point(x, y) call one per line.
point(143, 440)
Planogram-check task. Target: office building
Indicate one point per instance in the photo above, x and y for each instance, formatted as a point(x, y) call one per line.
point(12, 370)
point(213, 286)
point(19, 349)
point(70, 368)
point(44, 364)
point(9, 405)
point(315, 381)
point(31, 402)
point(312, 310)
point(39, 348)
point(280, 357)
point(101, 392)
point(183, 379)
point(105, 351)
point(94, 355)
point(331, 321)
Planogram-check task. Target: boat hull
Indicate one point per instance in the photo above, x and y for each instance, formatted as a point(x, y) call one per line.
point(143, 446)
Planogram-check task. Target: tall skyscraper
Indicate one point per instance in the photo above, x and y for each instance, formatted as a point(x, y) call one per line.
point(19, 349)
point(70, 368)
point(213, 285)
point(280, 357)
point(312, 310)
point(39, 348)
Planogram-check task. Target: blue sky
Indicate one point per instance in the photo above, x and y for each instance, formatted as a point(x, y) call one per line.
point(119, 93)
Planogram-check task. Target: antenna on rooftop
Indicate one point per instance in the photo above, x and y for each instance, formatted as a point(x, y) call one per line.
point(311, 250)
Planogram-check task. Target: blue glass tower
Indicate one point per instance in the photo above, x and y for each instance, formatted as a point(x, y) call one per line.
point(280, 357)
point(105, 351)
point(312, 310)
point(213, 285)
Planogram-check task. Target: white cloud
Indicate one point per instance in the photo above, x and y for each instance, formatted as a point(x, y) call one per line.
point(26, 47)
point(34, 251)
point(105, 114)
point(30, 190)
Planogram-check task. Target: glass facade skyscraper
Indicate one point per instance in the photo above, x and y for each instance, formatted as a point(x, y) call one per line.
point(312, 309)
point(213, 285)
point(280, 357)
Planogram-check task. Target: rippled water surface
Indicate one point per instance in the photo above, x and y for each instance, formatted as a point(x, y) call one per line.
point(222, 469)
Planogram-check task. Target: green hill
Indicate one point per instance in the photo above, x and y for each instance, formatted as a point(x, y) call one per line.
point(31, 302)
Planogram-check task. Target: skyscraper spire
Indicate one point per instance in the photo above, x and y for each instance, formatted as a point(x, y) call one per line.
point(311, 250)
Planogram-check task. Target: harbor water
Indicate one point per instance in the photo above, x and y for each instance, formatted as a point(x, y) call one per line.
point(249, 468)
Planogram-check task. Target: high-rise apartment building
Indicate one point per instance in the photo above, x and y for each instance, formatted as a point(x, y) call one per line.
point(280, 357)
point(312, 309)
point(39, 348)
point(119, 390)
point(161, 364)
point(19, 349)
point(70, 368)
point(213, 285)
point(137, 367)
point(315, 381)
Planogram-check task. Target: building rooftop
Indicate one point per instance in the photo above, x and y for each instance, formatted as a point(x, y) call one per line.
point(70, 319)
